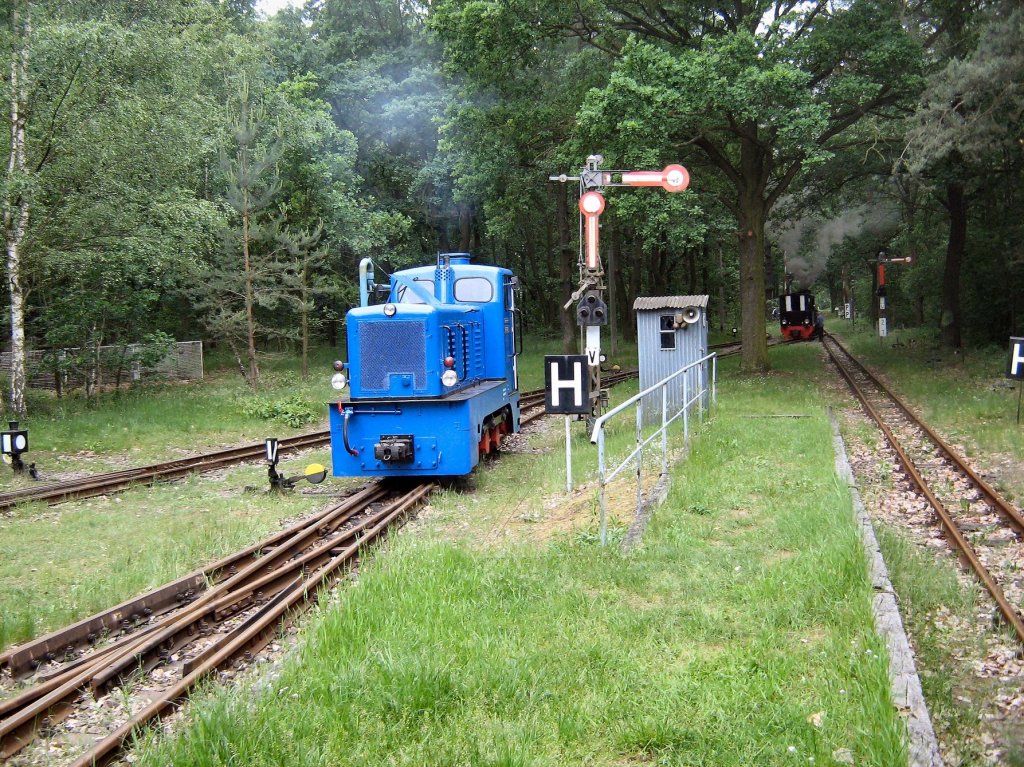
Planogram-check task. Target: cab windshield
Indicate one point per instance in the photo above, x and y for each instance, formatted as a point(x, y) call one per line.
point(406, 296)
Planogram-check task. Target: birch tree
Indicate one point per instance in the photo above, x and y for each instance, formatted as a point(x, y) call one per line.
point(17, 197)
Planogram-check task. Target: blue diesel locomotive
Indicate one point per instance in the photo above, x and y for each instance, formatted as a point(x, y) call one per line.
point(432, 371)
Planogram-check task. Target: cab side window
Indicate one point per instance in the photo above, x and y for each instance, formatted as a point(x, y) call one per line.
point(475, 290)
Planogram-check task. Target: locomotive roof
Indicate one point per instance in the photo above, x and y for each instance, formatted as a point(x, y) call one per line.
point(670, 302)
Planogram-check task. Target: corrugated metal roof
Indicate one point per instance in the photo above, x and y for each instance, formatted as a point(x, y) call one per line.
point(670, 302)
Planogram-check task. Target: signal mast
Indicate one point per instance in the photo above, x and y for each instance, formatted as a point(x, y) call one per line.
point(591, 310)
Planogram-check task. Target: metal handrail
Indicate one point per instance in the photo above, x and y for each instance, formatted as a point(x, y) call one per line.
point(598, 433)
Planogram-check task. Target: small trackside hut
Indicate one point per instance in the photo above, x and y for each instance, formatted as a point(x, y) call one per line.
point(672, 332)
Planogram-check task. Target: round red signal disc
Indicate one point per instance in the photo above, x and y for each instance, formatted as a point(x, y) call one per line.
point(592, 204)
point(675, 178)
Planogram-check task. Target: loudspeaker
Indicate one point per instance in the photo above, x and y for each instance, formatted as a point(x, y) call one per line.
point(691, 314)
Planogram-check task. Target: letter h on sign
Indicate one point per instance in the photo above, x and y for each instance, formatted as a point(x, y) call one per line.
point(1016, 367)
point(566, 384)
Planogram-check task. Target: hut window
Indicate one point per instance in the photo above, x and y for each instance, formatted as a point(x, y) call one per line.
point(668, 331)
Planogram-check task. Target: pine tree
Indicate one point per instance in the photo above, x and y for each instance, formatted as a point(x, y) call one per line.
point(248, 277)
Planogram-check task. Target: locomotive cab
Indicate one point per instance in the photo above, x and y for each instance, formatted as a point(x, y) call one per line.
point(433, 373)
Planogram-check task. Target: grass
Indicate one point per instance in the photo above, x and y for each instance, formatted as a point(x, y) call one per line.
point(62, 564)
point(154, 422)
point(739, 633)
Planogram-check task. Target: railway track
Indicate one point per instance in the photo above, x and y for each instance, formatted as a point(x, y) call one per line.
point(113, 482)
point(529, 402)
point(204, 621)
point(985, 529)
point(117, 481)
point(216, 616)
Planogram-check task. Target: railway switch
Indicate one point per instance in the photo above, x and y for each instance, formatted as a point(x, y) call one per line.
point(314, 473)
point(13, 443)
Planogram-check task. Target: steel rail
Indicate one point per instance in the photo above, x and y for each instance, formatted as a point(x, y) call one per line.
point(29, 707)
point(116, 481)
point(295, 554)
point(948, 523)
point(1007, 509)
point(255, 632)
point(109, 482)
point(222, 588)
point(21, 659)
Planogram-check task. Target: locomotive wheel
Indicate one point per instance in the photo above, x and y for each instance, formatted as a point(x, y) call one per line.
point(485, 437)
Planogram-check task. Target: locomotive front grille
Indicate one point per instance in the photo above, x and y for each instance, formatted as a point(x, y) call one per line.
point(392, 346)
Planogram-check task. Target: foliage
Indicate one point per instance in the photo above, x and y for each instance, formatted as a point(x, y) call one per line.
point(293, 410)
point(393, 130)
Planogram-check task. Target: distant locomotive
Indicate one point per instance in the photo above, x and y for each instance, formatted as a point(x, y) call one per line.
point(797, 315)
point(434, 383)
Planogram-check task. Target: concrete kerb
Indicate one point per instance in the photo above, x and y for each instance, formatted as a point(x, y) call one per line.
point(907, 695)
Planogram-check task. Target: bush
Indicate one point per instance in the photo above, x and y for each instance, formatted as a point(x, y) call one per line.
point(292, 411)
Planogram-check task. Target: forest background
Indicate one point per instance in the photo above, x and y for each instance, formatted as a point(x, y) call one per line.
point(181, 169)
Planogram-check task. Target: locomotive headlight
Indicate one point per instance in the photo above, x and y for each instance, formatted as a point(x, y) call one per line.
point(338, 381)
point(389, 310)
point(449, 378)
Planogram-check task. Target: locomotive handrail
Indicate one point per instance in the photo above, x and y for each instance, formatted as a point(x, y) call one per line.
point(598, 433)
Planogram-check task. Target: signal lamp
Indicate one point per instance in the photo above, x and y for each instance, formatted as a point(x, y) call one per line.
point(449, 362)
point(339, 365)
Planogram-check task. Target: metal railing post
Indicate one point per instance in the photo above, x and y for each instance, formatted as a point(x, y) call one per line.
point(714, 379)
point(600, 484)
point(686, 410)
point(639, 454)
point(664, 431)
point(598, 435)
point(701, 373)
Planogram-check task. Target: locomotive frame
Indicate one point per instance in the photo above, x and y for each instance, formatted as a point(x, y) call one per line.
point(433, 372)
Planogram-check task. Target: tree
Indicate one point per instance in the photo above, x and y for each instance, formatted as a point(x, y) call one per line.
point(105, 156)
point(253, 239)
point(756, 92)
point(17, 199)
point(380, 75)
point(964, 136)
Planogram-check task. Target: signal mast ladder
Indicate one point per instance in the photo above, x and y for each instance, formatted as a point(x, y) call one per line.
point(706, 386)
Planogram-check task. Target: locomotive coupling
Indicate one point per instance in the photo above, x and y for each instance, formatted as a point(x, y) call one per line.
point(394, 448)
